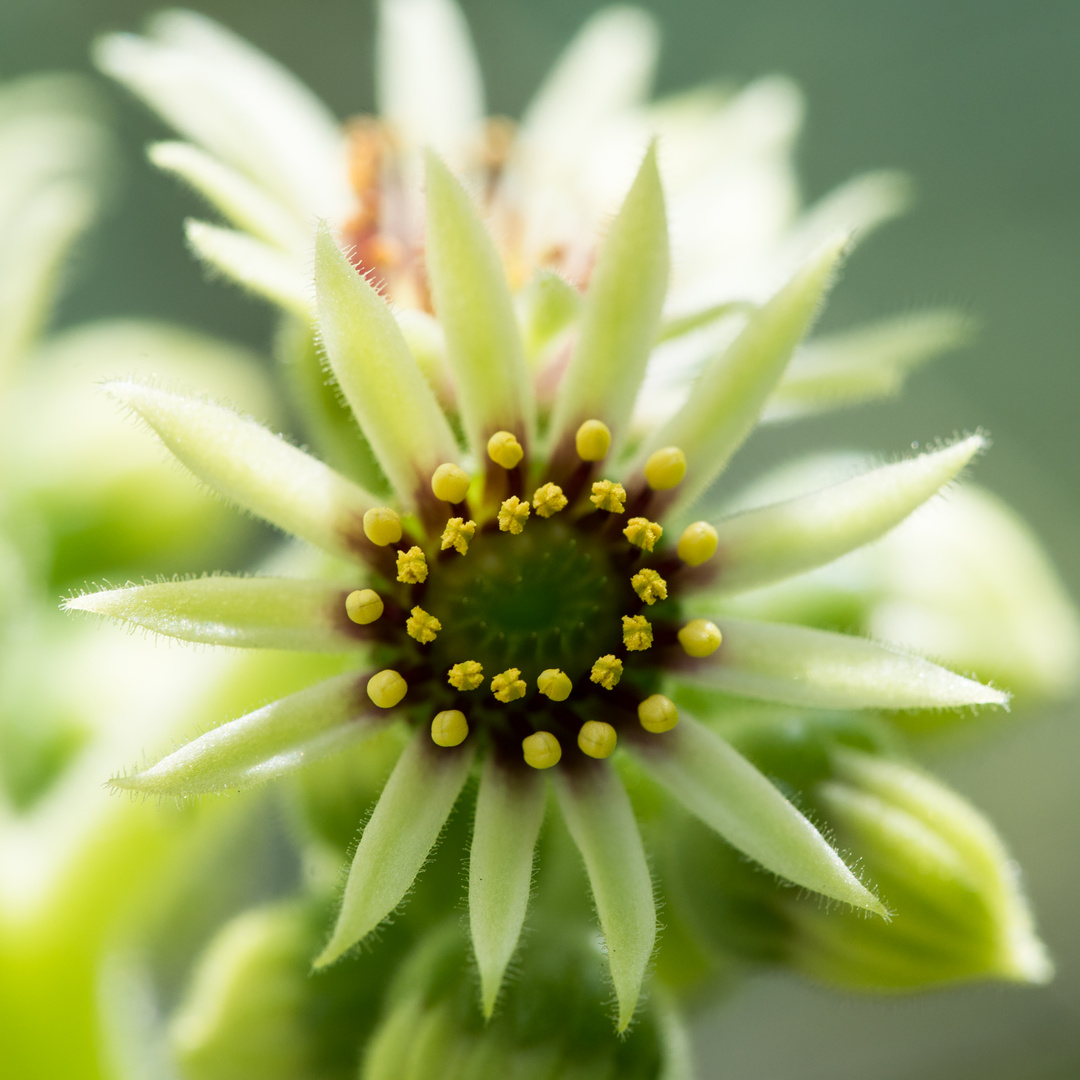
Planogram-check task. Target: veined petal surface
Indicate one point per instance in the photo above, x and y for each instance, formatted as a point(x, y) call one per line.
point(765, 545)
point(404, 827)
point(601, 820)
point(245, 613)
point(797, 665)
point(277, 739)
point(473, 303)
point(718, 785)
point(381, 381)
point(255, 468)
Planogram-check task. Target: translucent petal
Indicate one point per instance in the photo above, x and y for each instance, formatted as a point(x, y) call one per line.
point(243, 202)
point(239, 104)
point(621, 314)
point(717, 784)
point(728, 397)
point(864, 364)
point(393, 402)
point(398, 838)
point(257, 469)
point(428, 83)
point(472, 301)
point(257, 266)
point(800, 666)
point(509, 811)
point(601, 821)
point(245, 613)
point(761, 546)
point(269, 742)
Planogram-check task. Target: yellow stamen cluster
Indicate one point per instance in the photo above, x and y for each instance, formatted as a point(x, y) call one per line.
point(607, 671)
point(665, 468)
point(457, 534)
point(699, 637)
point(697, 543)
point(513, 514)
point(421, 626)
point(593, 440)
point(643, 533)
point(412, 566)
point(607, 495)
point(363, 606)
point(449, 728)
point(509, 685)
point(382, 526)
point(658, 714)
point(554, 684)
point(541, 750)
point(386, 688)
point(468, 675)
point(548, 499)
point(636, 633)
point(450, 483)
point(597, 739)
point(504, 449)
point(649, 586)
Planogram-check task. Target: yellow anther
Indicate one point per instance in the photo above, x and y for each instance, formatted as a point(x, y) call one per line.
point(593, 440)
point(597, 739)
point(513, 514)
point(607, 495)
point(607, 671)
point(457, 534)
point(509, 686)
point(411, 566)
point(658, 714)
point(699, 637)
point(467, 675)
point(386, 688)
point(554, 684)
point(363, 606)
point(541, 750)
point(697, 543)
point(421, 626)
point(665, 468)
point(643, 533)
point(450, 483)
point(636, 633)
point(449, 728)
point(649, 586)
point(548, 499)
point(504, 449)
point(382, 526)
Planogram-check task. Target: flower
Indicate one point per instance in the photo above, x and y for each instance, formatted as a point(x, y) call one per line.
point(535, 637)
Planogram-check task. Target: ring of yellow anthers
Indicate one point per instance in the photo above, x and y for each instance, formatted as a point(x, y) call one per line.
point(450, 483)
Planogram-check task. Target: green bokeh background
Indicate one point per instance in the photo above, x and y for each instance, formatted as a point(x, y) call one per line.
point(979, 101)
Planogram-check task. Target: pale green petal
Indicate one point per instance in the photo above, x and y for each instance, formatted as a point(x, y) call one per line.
point(428, 83)
point(864, 364)
point(677, 325)
point(717, 784)
point(547, 306)
point(621, 314)
point(258, 267)
point(765, 545)
point(277, 739)
point(377, 373)
point(800, 666)
point(726, 400)
point(472, 301)
point(245, 613)
point(601, 821)
point(404, 827)
point(257, 469)
point(243, 202)
point(509, 811)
